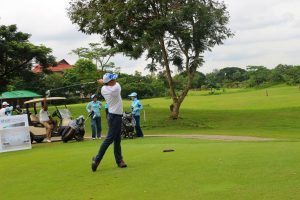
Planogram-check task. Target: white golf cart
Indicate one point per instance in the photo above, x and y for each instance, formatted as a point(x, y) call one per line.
point(37, 130)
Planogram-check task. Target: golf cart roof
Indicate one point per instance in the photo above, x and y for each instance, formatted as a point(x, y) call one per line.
point(42, 99)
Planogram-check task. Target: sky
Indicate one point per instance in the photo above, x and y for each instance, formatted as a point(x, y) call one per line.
point(266, 33)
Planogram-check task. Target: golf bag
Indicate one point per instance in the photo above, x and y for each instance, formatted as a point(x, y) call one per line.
point(75, 130)
point(128, 124)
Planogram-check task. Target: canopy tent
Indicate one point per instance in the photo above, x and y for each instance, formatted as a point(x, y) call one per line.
point(19, 94)
point(17, 97)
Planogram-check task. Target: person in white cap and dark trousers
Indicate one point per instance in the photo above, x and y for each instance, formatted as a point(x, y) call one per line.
point(94, 108)
point(136, 107)
point(6, 110)
point(111, 91)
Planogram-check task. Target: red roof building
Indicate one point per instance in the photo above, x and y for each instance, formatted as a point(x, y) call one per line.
point(60, 67)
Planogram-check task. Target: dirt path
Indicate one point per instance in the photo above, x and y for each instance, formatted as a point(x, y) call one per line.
point(203, 137)
point(215, 137)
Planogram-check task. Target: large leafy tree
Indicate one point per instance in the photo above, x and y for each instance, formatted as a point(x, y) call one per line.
point(27, 81)
point(17, 54)
point(198, 81)
point(101, 55)
point(258, 75)
point(170, 32)
point(231, 76)
point(212, 81)
point(151, 67)
point(84, 71)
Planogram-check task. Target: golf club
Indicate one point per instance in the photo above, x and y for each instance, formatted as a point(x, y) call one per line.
point(48, 92)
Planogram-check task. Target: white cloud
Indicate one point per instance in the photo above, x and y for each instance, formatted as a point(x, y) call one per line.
point(266, 32)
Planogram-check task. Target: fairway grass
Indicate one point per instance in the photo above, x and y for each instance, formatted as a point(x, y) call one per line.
point(198, 169)
point(239, 112)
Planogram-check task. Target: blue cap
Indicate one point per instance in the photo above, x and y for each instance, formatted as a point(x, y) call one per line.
point(133, 94)
point(108, 77)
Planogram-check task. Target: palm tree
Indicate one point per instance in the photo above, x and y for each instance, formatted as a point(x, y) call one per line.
point(152, 68)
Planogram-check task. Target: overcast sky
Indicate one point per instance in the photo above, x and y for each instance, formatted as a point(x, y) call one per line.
point(266, 32)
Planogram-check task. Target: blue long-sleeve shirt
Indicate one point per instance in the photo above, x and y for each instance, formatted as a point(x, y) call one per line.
point(94, 106)
point(6, 111)
point(136, 107)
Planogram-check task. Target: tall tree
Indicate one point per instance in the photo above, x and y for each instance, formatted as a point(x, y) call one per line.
point(231, 76)
point(84, 71)
point(212, 81)
point(152, 68)
point(258, 75)
point(97, 53)
point(17, 54)
point(27, 81)
point(173, 33)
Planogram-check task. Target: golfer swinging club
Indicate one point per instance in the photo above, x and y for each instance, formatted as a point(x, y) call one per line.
point(111, 91)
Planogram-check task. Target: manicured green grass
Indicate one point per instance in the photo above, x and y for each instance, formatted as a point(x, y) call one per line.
point(196, 170)
point(233, 112)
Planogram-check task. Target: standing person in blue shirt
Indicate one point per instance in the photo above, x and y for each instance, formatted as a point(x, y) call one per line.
point(95, 107)
point(106, 109)
point(136, 107)
point(6, 110)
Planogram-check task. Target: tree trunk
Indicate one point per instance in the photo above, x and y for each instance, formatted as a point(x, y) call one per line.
point(174, 108)
point(177, 100)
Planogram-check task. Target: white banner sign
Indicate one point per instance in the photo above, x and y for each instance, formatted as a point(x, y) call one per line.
point(14, 133)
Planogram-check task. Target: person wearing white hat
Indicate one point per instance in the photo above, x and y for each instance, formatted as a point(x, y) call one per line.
point(94, 107)
point(111, 91)
point(136, 107)
point(6, 110)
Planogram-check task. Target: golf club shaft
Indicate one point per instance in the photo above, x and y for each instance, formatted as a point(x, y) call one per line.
point(72, 86)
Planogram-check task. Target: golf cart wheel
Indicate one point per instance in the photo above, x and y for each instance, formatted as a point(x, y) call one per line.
point(31, 137)
point(36, 138)
point(39, 139)
point(68, 135)
point(79, 135)
point(78, 138)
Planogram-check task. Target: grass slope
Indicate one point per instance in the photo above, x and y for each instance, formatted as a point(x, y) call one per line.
point(234, 112)
point(196, 170)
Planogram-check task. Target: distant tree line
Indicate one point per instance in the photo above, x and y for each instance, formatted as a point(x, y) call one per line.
point(154, 85)
point(17, 56)
point(252, 76)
